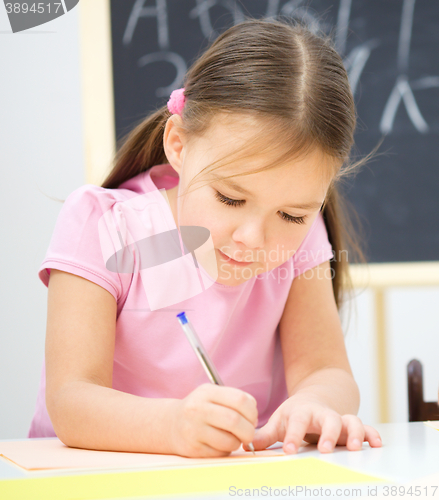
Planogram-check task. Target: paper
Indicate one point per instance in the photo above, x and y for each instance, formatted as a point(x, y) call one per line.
point(282, 472)
point(433, 423)
point(41, 454)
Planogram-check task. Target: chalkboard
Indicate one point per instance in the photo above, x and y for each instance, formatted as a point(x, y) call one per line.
point(390, 49)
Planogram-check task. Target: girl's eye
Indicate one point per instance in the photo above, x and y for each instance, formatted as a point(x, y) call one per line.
point(228, 201)
point(234, 203)
point(290, 218)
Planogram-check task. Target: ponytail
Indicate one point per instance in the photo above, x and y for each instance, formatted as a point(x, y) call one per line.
point(142, 148)
point(345, 241)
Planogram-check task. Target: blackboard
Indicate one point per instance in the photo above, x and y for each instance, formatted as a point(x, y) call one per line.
point(390, 49)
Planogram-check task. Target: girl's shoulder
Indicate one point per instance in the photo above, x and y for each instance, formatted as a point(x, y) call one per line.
point(90, 201)
point(90, 230)
point(91, 195)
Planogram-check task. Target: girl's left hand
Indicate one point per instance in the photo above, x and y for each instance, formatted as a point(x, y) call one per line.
point(301, 417)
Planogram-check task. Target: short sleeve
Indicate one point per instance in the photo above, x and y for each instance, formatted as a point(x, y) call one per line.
point(314, 249)
point(76, 245)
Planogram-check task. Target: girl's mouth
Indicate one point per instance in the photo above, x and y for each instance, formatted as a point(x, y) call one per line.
point(229, 260)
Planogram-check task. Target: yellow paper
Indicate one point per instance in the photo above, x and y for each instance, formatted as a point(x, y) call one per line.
point(433, 423)
point(183, 480)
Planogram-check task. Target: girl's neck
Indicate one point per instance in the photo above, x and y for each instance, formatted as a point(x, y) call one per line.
point(171, 195)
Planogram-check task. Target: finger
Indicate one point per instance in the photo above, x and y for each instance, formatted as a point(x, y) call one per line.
point(353, 432)
point(197, 442)
point(232, 422)
point(204, 450)
point(237, 400)
point(267, 435)
point(297, 427)
point(331, 429)
point(219, 439)
point(372, 436)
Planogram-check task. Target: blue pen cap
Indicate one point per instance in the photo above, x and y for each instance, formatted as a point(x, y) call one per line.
point(182, 318)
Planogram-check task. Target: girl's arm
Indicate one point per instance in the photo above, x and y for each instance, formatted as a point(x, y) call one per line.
point(313, 344)
point(86, 412)
point(324, 397)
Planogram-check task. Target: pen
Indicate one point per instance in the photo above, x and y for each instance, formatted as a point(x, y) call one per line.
point(202, 355)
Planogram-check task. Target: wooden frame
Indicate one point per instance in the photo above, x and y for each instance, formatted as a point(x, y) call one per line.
point(97, 88)
point(419, 410)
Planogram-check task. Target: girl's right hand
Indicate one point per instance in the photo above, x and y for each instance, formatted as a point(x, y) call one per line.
point(213, 420)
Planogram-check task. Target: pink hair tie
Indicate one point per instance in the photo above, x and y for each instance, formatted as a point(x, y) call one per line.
point(176, 101)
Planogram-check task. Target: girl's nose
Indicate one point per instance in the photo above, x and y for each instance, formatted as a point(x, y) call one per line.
point(250, 233)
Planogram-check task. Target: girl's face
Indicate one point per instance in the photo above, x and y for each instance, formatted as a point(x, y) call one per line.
point(259, 220)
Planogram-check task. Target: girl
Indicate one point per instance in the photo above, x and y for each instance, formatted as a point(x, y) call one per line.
point(244, 161)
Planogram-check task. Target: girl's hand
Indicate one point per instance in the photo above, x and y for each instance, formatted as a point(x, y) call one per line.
point(213, 420)
point(301, 417)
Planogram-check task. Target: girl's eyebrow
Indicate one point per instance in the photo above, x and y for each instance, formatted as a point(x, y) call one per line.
point(307, 206)
point(304, 206)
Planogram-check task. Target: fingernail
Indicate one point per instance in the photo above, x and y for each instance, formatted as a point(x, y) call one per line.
point(290, 448)
point(378, 441)
point(356, 443)
point(327, 445)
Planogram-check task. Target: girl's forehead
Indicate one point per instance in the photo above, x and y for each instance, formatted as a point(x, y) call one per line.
point(302, 175)
point(240, 144)
point(255, 172)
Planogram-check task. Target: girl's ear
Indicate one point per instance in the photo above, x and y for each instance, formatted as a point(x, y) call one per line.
point(174, 142)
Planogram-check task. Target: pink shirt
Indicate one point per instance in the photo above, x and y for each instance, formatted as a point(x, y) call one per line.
point(238, 325)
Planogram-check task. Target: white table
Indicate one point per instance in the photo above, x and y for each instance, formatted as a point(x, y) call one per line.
point(410, 452)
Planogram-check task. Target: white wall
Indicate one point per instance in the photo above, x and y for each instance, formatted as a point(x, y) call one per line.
point(361, 347)
point(412, 332)
point(42, 153)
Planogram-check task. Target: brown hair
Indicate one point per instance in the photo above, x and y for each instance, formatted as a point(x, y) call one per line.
point(294, 83)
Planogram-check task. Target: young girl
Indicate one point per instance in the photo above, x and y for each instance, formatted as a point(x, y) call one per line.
point(244, 161)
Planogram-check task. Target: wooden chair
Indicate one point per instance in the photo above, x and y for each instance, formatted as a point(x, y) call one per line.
point(419, 410)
